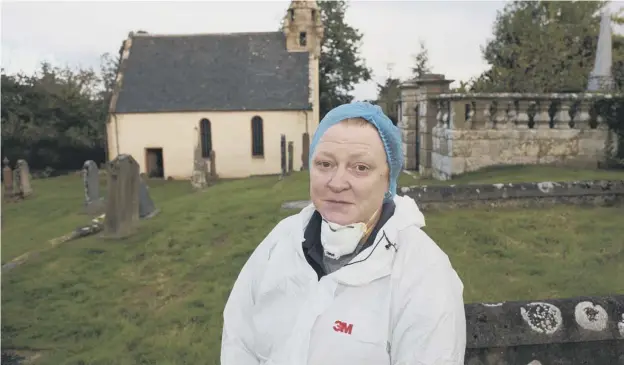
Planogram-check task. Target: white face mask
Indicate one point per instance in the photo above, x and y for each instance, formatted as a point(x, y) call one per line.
point(339, 240)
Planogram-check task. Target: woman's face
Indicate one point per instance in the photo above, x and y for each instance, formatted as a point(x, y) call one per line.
point(349, 172)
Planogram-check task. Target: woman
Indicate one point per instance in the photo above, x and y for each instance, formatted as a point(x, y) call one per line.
point(352, 278)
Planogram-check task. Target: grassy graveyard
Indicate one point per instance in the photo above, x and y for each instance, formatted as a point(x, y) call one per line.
point(157, 296)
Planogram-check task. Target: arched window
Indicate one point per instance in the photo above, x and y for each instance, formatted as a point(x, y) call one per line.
point(206, 137)
point(257, 137)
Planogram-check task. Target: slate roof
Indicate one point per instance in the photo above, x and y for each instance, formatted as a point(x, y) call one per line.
point(238, 71)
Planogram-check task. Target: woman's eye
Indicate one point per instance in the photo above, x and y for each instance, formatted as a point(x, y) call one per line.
point(323, 164)
point(361, 168)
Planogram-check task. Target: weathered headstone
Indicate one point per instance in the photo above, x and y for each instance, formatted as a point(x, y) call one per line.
point(147, 209)
point(24, 171)
point(17, 185)
point(199, 179)
point(305, 147)
point(122, 201)
point(213, 165)
point(7, 178)
point(291, 151)
point(283, 153)
point(91, 179)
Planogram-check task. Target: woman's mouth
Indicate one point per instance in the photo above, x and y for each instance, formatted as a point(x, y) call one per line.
point(344, 202)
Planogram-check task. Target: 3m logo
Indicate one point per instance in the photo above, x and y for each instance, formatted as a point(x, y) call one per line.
point(340, 326)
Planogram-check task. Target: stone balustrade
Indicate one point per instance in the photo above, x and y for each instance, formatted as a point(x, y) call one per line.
point(447, 134)
point(521, 111)
point(473, 131)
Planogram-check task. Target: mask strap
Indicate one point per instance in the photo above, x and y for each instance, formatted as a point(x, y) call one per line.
point(369, 227)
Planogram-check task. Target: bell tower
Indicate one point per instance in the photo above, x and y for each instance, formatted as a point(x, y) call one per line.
point(303, 31)
point(303, 27)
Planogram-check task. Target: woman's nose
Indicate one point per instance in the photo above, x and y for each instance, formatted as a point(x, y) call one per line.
point(338, 181)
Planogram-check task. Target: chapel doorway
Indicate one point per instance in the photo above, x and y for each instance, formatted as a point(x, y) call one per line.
point(154, 165)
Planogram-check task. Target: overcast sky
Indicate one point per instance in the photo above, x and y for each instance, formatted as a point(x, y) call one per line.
point(77, 33)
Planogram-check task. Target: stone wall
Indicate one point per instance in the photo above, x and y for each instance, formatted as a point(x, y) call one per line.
point(583, 330)
point(456, 151)
point(598, 192)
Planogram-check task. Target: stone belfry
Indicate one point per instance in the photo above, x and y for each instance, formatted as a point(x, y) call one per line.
point(303, 27)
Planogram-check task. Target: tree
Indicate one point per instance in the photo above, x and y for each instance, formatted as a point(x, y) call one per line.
point(387, 95)
point(421, 61)
point(54, 118)
point(109, 66)
point(340, 64)
point(464, 87)
point(543, 46)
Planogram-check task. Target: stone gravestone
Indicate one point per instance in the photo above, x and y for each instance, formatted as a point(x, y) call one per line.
point(199, 179)
point(7, 179)
point(94, 205)
point(305, 158)
point(213, 165)
point(147, 209)
point(17, 185)
point(291, 151)
point(283, 153)
point(24, 173)
point(122, 201)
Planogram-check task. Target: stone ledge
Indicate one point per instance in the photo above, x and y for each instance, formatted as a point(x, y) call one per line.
point(488, 192)
point(526, 96)
point(593, 192)
point(582, 330)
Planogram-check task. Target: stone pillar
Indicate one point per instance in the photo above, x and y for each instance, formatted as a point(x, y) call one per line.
point(408, 123)
point(416, 96)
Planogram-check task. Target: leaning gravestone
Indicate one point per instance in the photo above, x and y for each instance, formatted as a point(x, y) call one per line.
point(122, 203)
point(24, 172)
point(147, 209)
point(94, 205)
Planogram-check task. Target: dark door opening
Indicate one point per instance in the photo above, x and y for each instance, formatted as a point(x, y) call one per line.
point(154, 162)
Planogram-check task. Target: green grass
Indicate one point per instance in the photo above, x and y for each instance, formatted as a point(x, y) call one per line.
point(157, 297)
point(517, 174)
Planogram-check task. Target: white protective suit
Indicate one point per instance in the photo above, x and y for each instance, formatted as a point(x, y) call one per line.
point(400, 304)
